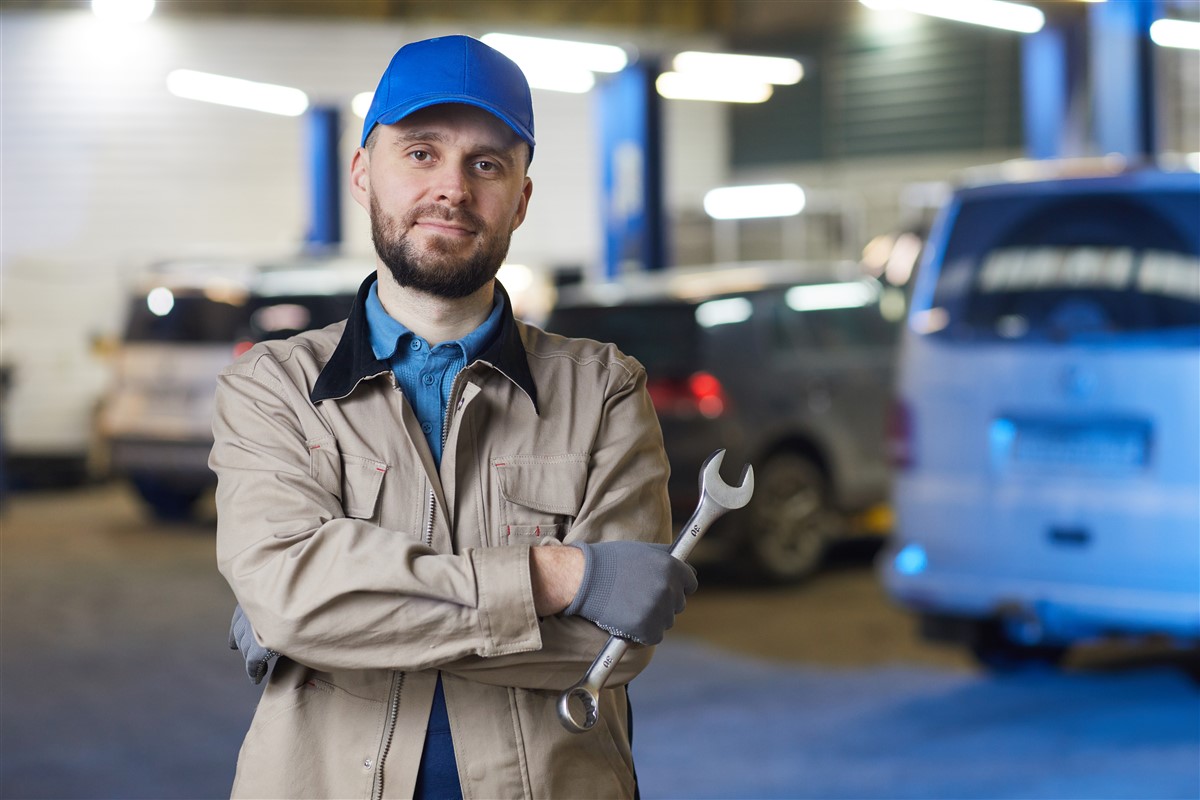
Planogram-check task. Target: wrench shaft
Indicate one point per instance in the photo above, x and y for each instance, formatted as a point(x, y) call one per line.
point(715, 499)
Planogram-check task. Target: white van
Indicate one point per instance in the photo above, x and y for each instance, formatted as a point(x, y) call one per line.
point(187, 320)
point(1046, 431)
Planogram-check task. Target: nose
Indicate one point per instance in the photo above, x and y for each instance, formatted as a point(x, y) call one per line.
point(452, 186)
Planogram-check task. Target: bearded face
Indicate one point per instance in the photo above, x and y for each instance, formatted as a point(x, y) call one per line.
point(446, 268)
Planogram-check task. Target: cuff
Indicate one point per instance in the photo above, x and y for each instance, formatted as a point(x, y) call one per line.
point(506, 614)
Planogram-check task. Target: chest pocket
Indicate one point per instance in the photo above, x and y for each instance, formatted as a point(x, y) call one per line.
point(354, 480)
point(539, 495)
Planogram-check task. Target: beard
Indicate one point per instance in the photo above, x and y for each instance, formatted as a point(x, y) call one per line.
point(437, 272)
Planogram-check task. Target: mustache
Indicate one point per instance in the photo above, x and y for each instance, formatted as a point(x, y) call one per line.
point(458, 216)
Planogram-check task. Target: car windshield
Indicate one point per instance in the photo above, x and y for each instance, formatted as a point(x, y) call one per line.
point(662, 336)
point(195, 318)
point(1058, 268)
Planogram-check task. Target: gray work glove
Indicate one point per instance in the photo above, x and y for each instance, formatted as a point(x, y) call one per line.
point(241, 637)
point(632, 589)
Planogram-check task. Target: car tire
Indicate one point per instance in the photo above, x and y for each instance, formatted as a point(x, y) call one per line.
point(791, 522)
point(167, 502)
point(997, 651)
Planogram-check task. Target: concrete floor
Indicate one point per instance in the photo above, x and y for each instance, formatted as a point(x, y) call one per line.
point(115, 683)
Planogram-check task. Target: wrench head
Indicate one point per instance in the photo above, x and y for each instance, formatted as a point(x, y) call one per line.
point(726, 496)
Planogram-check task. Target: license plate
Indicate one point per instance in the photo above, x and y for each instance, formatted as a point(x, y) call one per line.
point(1102, 444)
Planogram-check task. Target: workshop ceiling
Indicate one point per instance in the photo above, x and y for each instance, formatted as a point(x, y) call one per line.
point(739, 22)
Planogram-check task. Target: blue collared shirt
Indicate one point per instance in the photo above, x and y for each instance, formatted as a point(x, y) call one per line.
point(426, 377)
point(426, 374)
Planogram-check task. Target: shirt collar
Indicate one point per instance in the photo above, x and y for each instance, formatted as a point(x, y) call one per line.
point(388, 333)
point(354, 359)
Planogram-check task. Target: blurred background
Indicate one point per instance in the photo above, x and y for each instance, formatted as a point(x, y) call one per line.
point(933, 268)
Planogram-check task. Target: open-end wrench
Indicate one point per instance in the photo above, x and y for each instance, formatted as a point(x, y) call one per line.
point(716, 497)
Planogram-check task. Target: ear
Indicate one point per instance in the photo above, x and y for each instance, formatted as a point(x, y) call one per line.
point(360, 177)
point(522, 204)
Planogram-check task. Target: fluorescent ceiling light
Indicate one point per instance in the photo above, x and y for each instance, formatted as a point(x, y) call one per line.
point(559, 52)
point(824, 296)
point(123, 10)
point(558, 78)
point(993, 13)
point(1176, 33)
point(750, 202)
point(237, 92)
point(756, 69)
point(680, 86)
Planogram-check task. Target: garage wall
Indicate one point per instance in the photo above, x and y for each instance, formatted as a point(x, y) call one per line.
point(104, 171)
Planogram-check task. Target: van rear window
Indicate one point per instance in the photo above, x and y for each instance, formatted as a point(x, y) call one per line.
point(663, 336)
point(1071, 268)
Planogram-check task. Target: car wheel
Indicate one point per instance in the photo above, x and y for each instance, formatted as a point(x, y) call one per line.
point(996, 650)
point(167, 501)
point(791, 522)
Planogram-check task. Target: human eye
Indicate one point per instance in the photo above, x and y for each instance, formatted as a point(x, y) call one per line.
point(419, 155)
point(484, 165)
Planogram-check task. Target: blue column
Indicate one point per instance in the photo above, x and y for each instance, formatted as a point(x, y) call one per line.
point(628, 113)
point(325, 179)
point(1045, 91)
point(1123, 90)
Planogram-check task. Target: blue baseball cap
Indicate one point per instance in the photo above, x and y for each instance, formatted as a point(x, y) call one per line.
point(452, 69)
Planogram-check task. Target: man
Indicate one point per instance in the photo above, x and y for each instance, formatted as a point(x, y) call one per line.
point(436, 513)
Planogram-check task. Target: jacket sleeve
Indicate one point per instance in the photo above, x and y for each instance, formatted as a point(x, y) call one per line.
point(625, 498)
point(334, 592)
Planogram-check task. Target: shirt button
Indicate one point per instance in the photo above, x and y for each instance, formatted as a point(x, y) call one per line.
point(427, 380)
point(415, 344)
point(427, 427)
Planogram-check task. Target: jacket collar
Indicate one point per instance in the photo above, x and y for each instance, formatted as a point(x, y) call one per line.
point(353, 360)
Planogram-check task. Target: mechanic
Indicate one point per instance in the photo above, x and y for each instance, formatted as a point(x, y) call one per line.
point(434, 513)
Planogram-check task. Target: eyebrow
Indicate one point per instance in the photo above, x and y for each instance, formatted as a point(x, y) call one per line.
point(497, 151)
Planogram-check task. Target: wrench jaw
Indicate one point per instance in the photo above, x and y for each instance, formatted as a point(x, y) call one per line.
point(727, 497)
point(566, 710)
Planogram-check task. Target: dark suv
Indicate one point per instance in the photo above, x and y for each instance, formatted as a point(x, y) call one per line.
point(788, 368)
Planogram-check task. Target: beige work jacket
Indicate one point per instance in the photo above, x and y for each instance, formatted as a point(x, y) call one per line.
point(371, 569)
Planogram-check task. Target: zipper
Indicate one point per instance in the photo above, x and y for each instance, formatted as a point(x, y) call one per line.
point(398, 677)
point(397, 683)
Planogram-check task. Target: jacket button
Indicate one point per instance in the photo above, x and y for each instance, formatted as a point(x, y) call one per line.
point(367, 763)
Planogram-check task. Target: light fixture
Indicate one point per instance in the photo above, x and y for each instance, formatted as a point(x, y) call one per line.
point(1176, 33)
point(729, 66)
point(751, 202)
point(123, 11)
point(992, 13)
point(579, 55)
point(236, 92)
point(682, 86)
point(559, 65)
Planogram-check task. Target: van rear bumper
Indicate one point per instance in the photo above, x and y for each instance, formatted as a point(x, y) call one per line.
point(1061, 611)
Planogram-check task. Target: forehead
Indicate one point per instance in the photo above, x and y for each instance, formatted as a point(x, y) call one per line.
point(460, 121)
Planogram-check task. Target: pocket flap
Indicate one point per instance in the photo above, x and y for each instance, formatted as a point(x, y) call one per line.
point(553, 484)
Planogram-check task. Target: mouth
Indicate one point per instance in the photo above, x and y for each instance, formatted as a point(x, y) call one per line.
point(443, 228)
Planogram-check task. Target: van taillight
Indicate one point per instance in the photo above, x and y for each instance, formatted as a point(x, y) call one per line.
point(241, 347)
point(900, 435)
point(701, 394)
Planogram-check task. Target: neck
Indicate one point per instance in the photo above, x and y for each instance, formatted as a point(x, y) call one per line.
point(435, 319)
